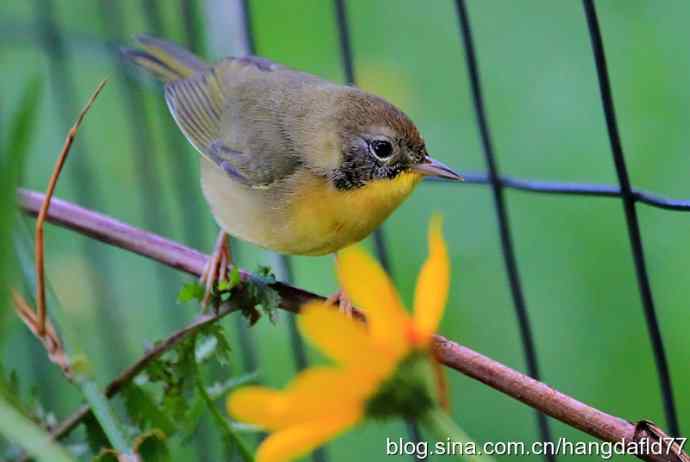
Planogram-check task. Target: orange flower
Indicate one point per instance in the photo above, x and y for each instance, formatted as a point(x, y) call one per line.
point(382, 367)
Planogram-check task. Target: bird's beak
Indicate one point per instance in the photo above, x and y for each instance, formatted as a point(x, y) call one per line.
point(431, 167)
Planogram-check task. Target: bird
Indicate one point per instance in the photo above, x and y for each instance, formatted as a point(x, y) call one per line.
point(290, 162)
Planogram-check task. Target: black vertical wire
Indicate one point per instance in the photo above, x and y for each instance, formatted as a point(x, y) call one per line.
point(631, 219)
point(192, 21)
point(196, 44)
point(185, 177)
point(501, 212)
point(284, 264)
point(298, 351)
point(148, 173)
point(250, 40)
point(346, 56)
point(250, 360)
point(84, 174)
point(152, 17)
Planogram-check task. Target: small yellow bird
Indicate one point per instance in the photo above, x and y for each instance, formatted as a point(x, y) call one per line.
point(289, 161)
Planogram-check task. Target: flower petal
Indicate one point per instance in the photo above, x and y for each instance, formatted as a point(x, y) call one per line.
point(298, 440)
point(319, 388)
point(314, 393)
point(261, 406)
point(342, 338)
point(433, 283)
point(370, 288)
point(321, 392)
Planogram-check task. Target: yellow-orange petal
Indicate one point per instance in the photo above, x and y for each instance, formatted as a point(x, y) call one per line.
point(314, 379)
point(298, 440)
point(340, 337)
point(322, 391)
point(314, 393)
point(367, 285)
point(431, 293)
point(261, 406)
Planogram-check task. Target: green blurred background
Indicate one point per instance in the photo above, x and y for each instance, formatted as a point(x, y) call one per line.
point(547, 123)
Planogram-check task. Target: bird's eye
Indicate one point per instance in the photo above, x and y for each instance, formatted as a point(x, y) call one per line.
point(381, 149)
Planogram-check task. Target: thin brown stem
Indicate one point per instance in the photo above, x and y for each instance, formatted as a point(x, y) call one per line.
point(50, 339)
point(460, 358)
point(52, 183)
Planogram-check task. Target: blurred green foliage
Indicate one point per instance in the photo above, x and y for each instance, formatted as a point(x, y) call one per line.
point(12, 159)
point(14, 425)
point(546, 119)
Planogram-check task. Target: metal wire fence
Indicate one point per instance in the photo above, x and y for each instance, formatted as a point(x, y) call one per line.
point(51, 38)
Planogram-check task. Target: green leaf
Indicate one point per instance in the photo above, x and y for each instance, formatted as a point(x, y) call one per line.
point(225, 287)
point(212, 343)
point(235, 277)
point(271, 303)
point(230, 438)
point(259, 297)
point(266, 300)
point(106, 455)
point(12, 157)
point(439, 423)
point(103, 413)
point(191, 291)
point(95, 437)
point(151, 447)
point(175, 371)
point(26, 402)
point(20, 430)
point(10, 392)
point(195, 412)
point(266, 274)
point(179, 403)
point(144, 411)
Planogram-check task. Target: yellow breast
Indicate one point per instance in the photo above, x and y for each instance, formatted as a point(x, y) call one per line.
point(322, 219)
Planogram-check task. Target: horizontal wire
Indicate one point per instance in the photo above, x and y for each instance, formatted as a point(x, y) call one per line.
point(580, 189)
point(577, 189)
point(20, 34)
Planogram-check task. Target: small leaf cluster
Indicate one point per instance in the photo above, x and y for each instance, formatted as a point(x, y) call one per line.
point(167, 401)
point(254, 295)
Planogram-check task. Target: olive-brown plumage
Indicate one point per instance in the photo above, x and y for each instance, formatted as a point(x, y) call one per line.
point(290, 162)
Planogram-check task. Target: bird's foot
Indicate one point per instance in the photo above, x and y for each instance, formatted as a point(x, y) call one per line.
point(343, 302)
point(216, 267)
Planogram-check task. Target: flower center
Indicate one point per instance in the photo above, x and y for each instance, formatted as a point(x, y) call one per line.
point(407, 392)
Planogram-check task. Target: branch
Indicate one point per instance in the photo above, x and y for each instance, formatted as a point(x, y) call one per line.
point(464, 360)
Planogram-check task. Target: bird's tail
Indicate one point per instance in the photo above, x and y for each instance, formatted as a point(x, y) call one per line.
point(165, 60)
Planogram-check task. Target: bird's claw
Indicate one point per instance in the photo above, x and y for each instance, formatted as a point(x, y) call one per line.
point(343, 302)
point(216, 269)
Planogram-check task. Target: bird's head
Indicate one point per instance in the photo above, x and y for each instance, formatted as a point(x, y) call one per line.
point(379, 142)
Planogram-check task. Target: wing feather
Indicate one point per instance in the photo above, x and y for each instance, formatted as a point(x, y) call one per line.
point(202, 110)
